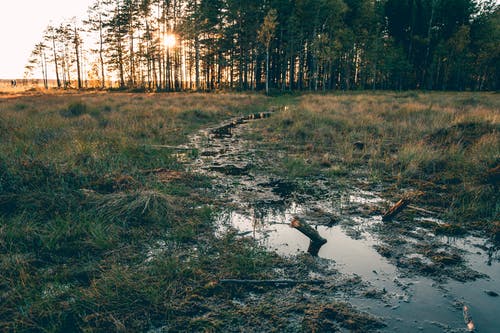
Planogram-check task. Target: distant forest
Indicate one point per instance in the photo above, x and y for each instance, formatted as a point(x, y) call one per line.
point(275, 45)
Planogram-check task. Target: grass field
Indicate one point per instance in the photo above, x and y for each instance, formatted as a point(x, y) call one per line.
point(85, 199)
point(101, 230)
point(446, 145)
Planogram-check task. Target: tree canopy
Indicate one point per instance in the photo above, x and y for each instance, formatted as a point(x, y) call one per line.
point(276, 44)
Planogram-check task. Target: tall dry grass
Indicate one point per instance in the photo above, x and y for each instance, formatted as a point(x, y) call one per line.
point(445, 143)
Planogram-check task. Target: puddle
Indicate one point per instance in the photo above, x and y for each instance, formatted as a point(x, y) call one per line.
point(412, 272)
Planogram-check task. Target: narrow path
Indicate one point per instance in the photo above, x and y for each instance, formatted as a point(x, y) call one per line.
point(262, 206)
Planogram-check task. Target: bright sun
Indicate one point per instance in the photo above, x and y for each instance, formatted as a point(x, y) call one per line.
point(169, 40)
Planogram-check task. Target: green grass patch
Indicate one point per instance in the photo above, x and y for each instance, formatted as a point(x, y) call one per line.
point(442, 143)
point(84, 197)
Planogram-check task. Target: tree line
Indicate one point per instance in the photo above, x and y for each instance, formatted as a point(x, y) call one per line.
point(281, 45)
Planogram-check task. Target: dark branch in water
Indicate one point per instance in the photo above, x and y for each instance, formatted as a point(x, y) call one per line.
point(316, 240)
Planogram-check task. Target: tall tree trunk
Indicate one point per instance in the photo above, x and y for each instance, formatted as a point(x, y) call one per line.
point(197, 61)
point(120, 64)
point(77, 53)
point(55, 61)
point(428, 47)
point(44, 69)
point(101, 53)
point(267, 70)
point(131, 58)
point(300, 72)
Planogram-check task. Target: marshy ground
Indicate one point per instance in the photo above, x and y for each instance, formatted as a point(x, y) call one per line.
point(125, 211)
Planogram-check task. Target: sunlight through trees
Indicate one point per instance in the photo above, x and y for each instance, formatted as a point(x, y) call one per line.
point(275, 45)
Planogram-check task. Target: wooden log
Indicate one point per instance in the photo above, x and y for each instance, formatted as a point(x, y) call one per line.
point(316, 240)
point(400, 205)
point(394, 210)
point(307, 230)
point(270, 282)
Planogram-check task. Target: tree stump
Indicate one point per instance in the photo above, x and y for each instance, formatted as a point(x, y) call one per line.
point(316, 240)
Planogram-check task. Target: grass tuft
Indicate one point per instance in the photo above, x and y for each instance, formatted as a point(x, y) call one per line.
point(75, 109)
point(140, 206)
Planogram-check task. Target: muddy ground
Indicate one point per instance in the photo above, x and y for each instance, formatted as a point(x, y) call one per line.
point(413, 273)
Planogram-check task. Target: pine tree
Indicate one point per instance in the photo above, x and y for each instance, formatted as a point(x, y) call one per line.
point(266, 34)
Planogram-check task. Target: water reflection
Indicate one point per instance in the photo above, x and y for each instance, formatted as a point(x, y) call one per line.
point(262, 208)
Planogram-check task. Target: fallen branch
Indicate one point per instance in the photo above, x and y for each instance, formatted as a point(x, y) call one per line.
point(316, 240)
point(400, 205)
point(270, 282)
point(394, 210)
point(422, 210)
point(169, 147)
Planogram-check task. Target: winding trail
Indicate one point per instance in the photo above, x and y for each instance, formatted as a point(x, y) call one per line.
point(262, 206)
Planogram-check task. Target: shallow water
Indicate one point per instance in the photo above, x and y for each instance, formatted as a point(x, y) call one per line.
point(262, 208)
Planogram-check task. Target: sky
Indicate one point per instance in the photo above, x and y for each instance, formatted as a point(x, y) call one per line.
point(22, 23)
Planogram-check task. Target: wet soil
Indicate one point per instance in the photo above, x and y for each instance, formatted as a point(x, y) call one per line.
point(412, 273)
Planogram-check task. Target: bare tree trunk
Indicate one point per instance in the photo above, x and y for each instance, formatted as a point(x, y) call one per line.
point(120, 64)
point(428, 48)
point(77, 53)
point(267, 71)
point(132, 58)
point(197, 61)
point(55, 61)
point(44, 70)
point(101, 52)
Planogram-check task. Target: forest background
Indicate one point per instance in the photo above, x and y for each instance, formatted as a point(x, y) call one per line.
point(277, 45)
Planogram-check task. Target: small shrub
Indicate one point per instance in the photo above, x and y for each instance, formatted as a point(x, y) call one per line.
point(96, 113)
point(20, 106)
point(138, 90)
point(196, 115)
point(409, 94)
point(75, 110)
point(469, 101)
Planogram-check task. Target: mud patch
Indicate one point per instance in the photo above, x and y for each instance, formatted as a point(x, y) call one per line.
point(281, 187)
point(231, 169)
point(401, 265)
point(329, 317)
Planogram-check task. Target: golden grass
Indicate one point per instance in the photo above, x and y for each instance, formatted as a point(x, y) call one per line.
point(404, 139)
